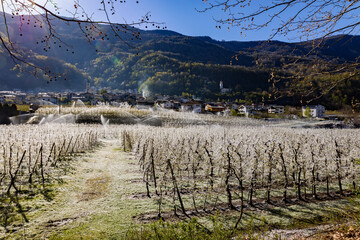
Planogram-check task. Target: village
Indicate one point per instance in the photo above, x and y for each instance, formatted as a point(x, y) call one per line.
point(91, 97)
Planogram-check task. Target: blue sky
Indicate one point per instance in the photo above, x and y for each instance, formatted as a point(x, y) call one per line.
point(178, 15)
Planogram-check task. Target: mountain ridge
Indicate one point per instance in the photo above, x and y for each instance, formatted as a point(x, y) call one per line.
point(164, 61)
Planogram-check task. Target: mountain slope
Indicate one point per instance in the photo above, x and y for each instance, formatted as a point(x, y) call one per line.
point(163, 61)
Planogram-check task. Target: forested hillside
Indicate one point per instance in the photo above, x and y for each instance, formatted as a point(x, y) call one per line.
point(167, 62)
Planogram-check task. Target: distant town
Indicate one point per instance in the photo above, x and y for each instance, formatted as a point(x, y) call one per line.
point(92, 97)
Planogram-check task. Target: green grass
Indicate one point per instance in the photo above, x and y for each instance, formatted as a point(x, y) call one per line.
point(253, 225)
point(23, 108)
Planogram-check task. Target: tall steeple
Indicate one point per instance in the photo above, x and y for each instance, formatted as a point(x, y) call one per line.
point(87, 86)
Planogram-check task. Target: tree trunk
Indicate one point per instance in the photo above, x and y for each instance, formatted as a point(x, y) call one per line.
point(176, 188)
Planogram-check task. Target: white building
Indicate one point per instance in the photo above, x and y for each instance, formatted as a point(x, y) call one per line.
point(194, 106)
point(246, 109)
point(315, 111)
point(44, 97)
point(222, 89)
point(276, 109)
point(166, 104)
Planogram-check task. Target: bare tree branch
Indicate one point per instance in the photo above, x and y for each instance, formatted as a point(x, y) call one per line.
point(44, 14)
point(314, 20)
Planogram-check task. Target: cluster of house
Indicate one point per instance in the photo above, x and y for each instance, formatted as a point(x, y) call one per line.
point(53, 98)
point(138, 101)
point(198, 106)
point(314, 111)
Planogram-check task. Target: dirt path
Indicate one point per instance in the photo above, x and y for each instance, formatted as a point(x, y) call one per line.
point(95, 201)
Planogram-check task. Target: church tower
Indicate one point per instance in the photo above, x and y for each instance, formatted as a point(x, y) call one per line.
point(88, 86)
